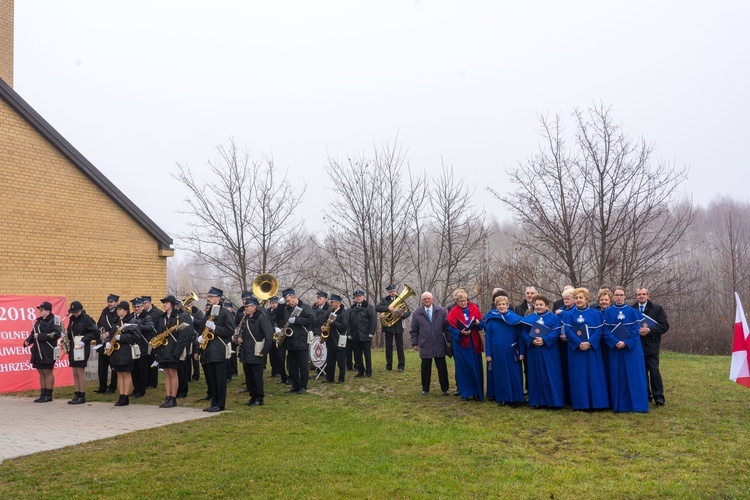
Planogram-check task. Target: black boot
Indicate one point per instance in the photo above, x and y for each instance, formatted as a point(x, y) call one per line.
point(42, 395)
point(48, 397)
point(171, 402)
point(120, 401)
point(81, 398)
point(163, 404)
point(74, 401)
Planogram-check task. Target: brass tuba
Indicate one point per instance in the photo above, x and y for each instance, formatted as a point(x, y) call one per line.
point(264, 287)
point(399, 305)
point(187, 303)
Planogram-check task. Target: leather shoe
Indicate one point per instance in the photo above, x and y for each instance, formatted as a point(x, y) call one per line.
point(241, 391)
point(446, 393)
point(359, 375)
point(110, 391)
point(214, 409)
point(100, 391)
point(292, 390)
point(255, 403)
point(456, 393)
point(400, 370)
point(425, 393)
point(302, 391)
point(205, 398)
point(249, 403)
point(659, 403)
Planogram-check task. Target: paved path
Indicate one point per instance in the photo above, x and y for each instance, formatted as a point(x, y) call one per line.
point(26, 425)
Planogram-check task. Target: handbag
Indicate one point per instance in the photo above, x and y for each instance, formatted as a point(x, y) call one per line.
point(135, 351)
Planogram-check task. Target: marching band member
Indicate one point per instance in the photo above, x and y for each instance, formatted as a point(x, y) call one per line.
point(362, 324)
point(82, 327)
point(232, 368)
point(43, 337)
point(173, 347)
point(143, 334)
point(277, 355)
point(297, 345)
point(107, 319)
point(321, 310)
point(153, 370)
point(463, 321)
point(256, 337)
point(214, 355)
point(395, 332)
point(186, 357)
point(336, 341)
point(122, 359)
point(583, 328)
point(194, 365)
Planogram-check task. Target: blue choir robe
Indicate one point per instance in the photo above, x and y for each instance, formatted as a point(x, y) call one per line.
point(503, 343)
point(544, 376)
point(628, 388)
point(588, 382)
point(563, 350)
point(490, 393)
point(468, 364)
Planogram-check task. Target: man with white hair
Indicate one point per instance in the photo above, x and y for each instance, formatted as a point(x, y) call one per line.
point(430, 336)
point(527, 306)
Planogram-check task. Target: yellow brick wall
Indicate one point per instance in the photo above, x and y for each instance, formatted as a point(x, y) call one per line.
point(6, 41)
point(60, 234)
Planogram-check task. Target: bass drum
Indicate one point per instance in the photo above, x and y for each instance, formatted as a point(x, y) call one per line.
point(318, 352)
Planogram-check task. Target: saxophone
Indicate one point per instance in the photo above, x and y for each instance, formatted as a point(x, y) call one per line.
point(280, 336)
point(64, 342)
point(325, 330)
point(208, 334)
point(114, 344)
point(161, 340)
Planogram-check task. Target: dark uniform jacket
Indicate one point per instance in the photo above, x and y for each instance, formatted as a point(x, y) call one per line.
point(321, 316)
point(382, 307)
point(523, 308)
point(123, 355)
point(216, 349)
point(256, 327)
point(145, 332)
point(271, 312)
point(652, 340)
point(43, 347)
point(363, 320)
point(107, 319)
point(82, 326)
point(303, 324)
point(338, 328)
point(178, 340)
point(156, 315)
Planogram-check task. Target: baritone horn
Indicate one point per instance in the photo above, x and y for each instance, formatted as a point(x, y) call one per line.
point(264, 287)
point(399, 308)
point(187, 303)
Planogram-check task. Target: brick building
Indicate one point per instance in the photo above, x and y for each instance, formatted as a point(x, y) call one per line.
point(66, 229)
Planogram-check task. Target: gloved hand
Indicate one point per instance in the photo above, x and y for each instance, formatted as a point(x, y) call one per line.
point(117, 338)
point(277, 329)
point(79, 345)
point(211, 325)
point(107, 345)
point(291, 320)
point(200, 339)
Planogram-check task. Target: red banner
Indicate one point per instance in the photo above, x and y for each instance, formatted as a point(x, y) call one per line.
point(17, 316)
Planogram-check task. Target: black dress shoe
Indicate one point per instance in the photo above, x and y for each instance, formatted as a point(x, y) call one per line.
point(255, 403)
point(289, 391)
point(659, 402)
point(359, 375)
point(425, 393)
point(401, 370)
point(339, 381)
point(110, 391)
point(446, 393)
point(250, 403)
point(194, 379)
point(456, 393)
point(138, 394)
point(302, 391)
point(206, 398)
point(214, 409)
point(241, 391)
point(100, 390)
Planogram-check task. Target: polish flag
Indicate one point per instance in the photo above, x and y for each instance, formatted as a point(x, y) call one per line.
point(739, 371)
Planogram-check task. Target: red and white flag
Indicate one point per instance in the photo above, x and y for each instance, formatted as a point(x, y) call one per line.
point(739, 371)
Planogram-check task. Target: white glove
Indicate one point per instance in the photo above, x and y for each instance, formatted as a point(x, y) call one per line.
point(211, 325)
point(117, 337)
point(277, 329)
point(370, 336)
point(282, 301)
point(291, 320)
point(108, 345)
point(200, 339)
point(154, 364)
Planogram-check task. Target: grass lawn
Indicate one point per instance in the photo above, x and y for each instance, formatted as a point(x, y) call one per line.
point(379, 438)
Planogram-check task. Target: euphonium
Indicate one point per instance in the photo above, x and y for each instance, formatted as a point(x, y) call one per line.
point(186, 304)
point(264, 287)
point(399, 308)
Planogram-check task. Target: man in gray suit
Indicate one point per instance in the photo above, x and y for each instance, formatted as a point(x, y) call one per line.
point(429, 335)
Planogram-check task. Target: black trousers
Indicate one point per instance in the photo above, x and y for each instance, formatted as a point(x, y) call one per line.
point(389, 336)
point(216, 374)
point(153, 373)
point(442, 369)
point(140, 375)
point(298, 370)
point(276, 357)
point(209, 384)
point(104, 370)
point(349, 354)
point(333, 358)
point(232, 368)
point(360, 349)
point(653, 376)
point(196, 368)
point(254, 379)
point(182, 378)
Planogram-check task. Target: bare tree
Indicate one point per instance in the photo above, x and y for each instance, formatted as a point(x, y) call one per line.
point(601, 211)
point(243, 218)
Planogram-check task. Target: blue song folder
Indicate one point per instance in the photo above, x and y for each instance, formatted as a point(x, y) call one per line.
point(621, 332)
